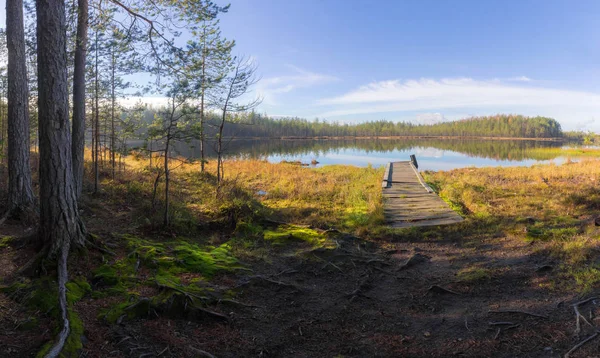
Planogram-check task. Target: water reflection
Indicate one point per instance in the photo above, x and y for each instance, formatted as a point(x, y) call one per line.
point(432, 154)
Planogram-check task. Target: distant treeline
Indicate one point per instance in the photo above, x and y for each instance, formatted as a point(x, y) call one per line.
point(255, 125)
point(256, 148)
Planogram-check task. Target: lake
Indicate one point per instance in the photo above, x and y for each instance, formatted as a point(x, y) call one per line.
point(432, 154)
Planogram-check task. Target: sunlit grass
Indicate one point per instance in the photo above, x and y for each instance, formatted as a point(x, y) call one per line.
point(551, 153)
point(553, 205)
point(342, 197)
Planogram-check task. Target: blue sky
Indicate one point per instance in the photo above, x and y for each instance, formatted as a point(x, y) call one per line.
point(421, 61)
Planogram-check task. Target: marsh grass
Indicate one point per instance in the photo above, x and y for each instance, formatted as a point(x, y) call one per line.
point(344, 197)
point(551, 205)
point(551, 153)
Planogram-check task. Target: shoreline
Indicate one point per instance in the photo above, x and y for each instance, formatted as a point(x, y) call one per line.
point(555, 139)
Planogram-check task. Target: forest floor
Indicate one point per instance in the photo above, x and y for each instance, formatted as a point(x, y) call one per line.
point(308, 268)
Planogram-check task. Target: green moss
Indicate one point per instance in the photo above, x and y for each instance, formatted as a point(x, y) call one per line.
point(73, 345)
point(288, 233)
point(76, 289)
point(118, 275)
point(207, 260)
point(248, 230)
point(5, 241)
point(165, 278)
point(129, 310)
point(107, 275)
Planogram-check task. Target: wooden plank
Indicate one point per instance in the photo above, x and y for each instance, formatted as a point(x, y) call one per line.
point(410, 202)
point(424, 217)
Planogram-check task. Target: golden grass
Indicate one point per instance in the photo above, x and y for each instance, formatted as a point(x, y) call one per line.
point(343, 197)
point(553, 205)
point(551, 153)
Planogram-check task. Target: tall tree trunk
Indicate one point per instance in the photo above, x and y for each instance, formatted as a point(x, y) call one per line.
point(113, 98)
point(166, 212)
point(78, 135)
point(97, 121)
point(60, 224)
point(20, 191)
point(202, 94)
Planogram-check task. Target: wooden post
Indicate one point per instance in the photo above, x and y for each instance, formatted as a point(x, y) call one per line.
point(413, 159)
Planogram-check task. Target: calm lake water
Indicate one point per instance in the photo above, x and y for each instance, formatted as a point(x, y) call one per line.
point(432, 154)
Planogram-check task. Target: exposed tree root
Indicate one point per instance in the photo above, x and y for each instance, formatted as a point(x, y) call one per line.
point(414, 260)
point(191, 296)
point(500, 330)
point(90, 242)
point(579, 316)
point(441, 290)
point(5, 216)
point(62, 302)
point(268, 280)
point(26, 214)
point(521, 312)
point(329, 263)
point(33, 263)
point(359, 291)
point(581, 344)
point(201, 353)
point(234, 302)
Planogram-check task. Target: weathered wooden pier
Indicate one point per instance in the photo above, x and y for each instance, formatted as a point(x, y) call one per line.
point(409, 201)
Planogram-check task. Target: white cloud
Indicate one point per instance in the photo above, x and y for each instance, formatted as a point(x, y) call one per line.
point(520, 79)
point(430, 118)
point(269, 88)
point(466, 94)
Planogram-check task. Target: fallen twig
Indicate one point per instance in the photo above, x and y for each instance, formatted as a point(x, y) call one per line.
point(99, 248)
point(359, 290)
point(163, 351)
point(285, 272)
point(329, 263)
point(521, 312)
point(579, 316)
point(266, 279)
point(414, 260)
point(226, 300)
point(440, 289)
point(581, 344)
point(201, 352)
point(500, 330)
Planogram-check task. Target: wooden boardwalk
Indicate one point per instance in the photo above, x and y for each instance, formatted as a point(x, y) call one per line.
point(409, 201)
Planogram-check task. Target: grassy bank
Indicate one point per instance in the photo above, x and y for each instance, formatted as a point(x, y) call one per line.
point(551, 153)
point(552, 207)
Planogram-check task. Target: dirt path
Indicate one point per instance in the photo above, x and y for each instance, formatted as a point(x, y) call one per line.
point(362, 304)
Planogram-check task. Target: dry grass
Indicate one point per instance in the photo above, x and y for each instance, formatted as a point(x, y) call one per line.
point(343, 197)
point(552, 205)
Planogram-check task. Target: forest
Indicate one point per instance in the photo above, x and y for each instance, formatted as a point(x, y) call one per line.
point(502, 125)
